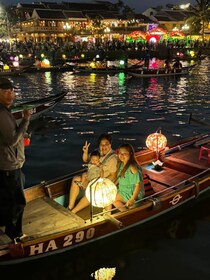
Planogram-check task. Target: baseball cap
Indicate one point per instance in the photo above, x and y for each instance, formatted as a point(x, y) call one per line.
point(6, 84)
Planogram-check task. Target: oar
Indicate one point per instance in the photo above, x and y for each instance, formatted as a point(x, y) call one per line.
point(198, 121)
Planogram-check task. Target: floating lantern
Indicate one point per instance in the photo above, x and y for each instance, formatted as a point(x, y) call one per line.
point(6, 67)
point(101, 192)
point(156, 142)
point(45, 63)
point(15, 63)
point(122, 62)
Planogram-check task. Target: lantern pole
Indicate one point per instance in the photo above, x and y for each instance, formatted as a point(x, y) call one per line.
point(157, 144)
point(91, 204)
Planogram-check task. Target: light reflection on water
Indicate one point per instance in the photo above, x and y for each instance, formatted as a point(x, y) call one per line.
point(130, 109)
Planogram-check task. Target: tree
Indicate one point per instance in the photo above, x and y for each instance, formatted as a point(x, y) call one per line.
point(125, 10)
point(201, 17)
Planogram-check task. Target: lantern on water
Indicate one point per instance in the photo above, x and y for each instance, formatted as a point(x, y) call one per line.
point(101, 192)
point(156, 142)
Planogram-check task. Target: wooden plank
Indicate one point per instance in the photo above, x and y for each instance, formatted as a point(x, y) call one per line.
point(167, 176)
point(45, 216)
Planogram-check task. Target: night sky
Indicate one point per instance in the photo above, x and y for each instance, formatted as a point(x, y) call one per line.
point(138, 5)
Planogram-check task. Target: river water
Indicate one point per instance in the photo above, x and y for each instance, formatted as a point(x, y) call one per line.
point(129, 109)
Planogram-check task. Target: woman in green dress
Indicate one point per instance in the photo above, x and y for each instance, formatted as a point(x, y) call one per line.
point(129, 179)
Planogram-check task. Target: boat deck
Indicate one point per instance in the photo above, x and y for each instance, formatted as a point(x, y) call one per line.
point(177, 167)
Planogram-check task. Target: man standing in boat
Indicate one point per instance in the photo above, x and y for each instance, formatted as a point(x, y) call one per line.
point(12, 158)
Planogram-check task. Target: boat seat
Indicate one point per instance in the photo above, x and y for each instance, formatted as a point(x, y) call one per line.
point(205, 152)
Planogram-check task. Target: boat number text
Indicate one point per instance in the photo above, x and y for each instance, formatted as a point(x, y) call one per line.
point(176, 199)
point(62, 242)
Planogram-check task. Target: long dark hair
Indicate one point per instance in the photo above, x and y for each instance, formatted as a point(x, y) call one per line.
point(132, 160)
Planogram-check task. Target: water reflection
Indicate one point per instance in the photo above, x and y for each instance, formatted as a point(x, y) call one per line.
point(130, 109)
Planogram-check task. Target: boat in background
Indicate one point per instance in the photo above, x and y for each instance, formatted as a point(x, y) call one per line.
point(12, 71)
point(48, 68)
point(51, 229)
point(38, 107)
point(104, 67)
point(143, 72)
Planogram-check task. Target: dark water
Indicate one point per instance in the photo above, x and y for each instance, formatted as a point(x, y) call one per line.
point(176, 248)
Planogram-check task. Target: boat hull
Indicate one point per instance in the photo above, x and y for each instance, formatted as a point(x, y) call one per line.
point(37, 107)
point(147, 73)
point(181, 182)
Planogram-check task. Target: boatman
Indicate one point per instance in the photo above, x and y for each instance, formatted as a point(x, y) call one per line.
point(12, 158)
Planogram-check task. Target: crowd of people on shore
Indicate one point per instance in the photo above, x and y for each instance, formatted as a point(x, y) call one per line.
point(72, 49)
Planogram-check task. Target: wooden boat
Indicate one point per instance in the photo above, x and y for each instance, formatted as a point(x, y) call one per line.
point(57, 68)
point(160, 72)
point(11, 72)
point(38, 107)
point(99, 70)
point(52, 229)
point(101, 67)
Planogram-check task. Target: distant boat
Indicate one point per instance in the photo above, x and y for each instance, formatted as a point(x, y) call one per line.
point(56, 68)
point(38, 107)
point(11, 72)
point(159, 72)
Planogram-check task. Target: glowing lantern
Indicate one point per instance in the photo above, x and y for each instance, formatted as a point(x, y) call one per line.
point(92, 64)
point(6, 67)
point(45, 63)
point(156, 142)
point(101, 192)
point(122, 62)
point(15, 63)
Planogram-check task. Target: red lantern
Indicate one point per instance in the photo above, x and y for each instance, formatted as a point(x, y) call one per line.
point(156, 142)
point(27, 141)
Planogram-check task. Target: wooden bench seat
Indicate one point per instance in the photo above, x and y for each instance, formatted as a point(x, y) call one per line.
point(167, 177)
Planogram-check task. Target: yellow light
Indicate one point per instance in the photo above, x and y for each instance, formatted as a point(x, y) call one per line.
point(103, 192)
point(45, 63)
point(63, 56)
point(82, 55)
point(6, 67)
point(92, 65)
point(156, 142)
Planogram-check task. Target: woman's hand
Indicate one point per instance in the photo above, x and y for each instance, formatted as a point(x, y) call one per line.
point(130, 202)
